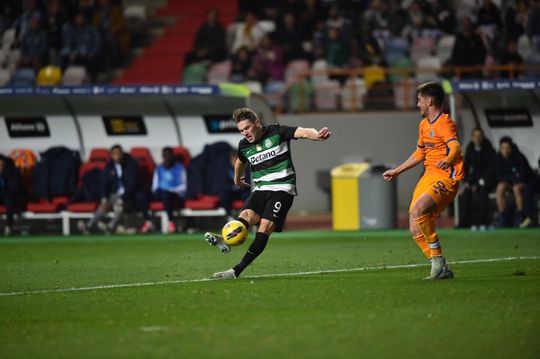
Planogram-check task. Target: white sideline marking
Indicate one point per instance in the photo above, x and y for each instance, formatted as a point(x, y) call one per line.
point(274, 275)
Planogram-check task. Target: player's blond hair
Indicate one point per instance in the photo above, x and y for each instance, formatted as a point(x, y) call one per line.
point(244, 113)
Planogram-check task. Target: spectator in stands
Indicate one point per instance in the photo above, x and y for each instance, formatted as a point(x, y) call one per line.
point(468, 49)
point(81, 45)
point(30, 10)
point(34, 45)
point(56, 19)
point(442, 16)
point(9, 12)
point(479, 181)
point(488, 18)
point(10, 188)
point(119, 185)
point(511, 56)
point(308, 22)
point(533, 26)
point(241, 65)
point(512, 173)
point(289, 37)
point(369, 50)
point(209, 44)
point(109, 20)
point(248, 34)
point(169, 185)
point(267, 64)
point(515, 18)
point(336, 49)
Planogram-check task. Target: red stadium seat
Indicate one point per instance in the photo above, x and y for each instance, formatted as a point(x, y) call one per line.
point(184, 154)
point(46, 206)
point(203, 202)
point(101, 155)
point(146, 165)
point(2, 209)
point(82, 207)
point(237, 204)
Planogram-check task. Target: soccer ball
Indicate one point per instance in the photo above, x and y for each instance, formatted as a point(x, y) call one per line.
point(234, 233)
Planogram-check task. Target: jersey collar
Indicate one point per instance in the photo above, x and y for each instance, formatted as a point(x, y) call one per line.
point(436, 118)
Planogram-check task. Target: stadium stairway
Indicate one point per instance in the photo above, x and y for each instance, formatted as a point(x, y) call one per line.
point(163, 61)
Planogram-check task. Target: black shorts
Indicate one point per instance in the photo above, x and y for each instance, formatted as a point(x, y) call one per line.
point(271, 205)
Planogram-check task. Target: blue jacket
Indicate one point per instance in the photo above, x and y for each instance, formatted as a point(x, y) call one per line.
point(130, 175)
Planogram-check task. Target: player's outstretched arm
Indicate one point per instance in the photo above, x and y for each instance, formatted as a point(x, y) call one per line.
point(239, 179)
point(312, 134)
point(412, 161)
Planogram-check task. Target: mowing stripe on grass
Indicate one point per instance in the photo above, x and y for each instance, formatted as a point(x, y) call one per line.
point(272, 275)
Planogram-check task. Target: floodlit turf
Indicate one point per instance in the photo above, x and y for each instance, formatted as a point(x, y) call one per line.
point(490, 310)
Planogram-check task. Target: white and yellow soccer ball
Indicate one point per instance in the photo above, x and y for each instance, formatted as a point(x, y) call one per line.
point(234, 233)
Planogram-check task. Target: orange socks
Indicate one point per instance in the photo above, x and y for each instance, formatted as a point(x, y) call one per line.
point(425, 224)
point(423, 244)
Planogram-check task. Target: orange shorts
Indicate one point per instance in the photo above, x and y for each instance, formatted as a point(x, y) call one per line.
point(441, 189)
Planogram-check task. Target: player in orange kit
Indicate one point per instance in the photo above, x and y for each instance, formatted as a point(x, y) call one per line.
point(438, 146)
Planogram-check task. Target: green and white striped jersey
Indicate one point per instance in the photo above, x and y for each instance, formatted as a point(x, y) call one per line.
point(272, 168)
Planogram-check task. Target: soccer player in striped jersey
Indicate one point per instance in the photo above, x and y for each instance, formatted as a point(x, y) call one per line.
point(438, 147)
point(267, 150)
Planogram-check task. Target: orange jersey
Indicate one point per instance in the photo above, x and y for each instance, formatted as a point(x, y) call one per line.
point(433, 139)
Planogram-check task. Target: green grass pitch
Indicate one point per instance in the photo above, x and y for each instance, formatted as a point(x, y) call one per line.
point(490, 310)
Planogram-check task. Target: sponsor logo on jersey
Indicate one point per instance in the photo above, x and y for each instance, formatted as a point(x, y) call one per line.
point(262, 157)
point(429, 144)
point(258, 147)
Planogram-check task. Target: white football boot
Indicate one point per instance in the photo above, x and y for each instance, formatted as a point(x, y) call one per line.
point(440, 269)
point(217, 240)
point(228, 274)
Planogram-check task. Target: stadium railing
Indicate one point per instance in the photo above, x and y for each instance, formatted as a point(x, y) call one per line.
point(394, 90)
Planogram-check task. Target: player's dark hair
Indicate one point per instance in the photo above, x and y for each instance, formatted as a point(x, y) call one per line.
point(244, 113)
point(167, 150)
point(506, 139)
point(116, 147)
point(433, 90)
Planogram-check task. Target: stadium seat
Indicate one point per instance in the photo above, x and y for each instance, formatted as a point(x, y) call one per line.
point(356, 87)
point(237, 204)
point(524, 46)
point(299, 96)
point(99, 155)
point(49, 76)
point(146, 165)
point(273, 92)
point(184, 154)
point(202, 203)
point(8, 38)
point(295, 69)
point(75, 75)
point(23, 77)
point(395, 48)
point(327, 95)
point(445, 47)
point(13, 57)
point(405, 66)
point(2, 209)
point(405, 94)
point(5, 77)
point(219, 72)
point(194, 74)
point(428, 63)
point(373, 74)
point(48, 206)
point(254, 86)
point(422, 47)
point(320, 67)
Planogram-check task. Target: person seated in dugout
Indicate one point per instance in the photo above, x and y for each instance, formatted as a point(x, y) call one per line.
point(118, 187)
point(10, 186)
point(169, 186)
point(513, 174)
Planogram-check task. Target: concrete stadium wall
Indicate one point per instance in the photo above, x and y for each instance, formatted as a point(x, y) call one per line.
point(383, 138)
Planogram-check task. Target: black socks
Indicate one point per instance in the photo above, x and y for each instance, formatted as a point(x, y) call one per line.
point(244, 222)
point(256, 248)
